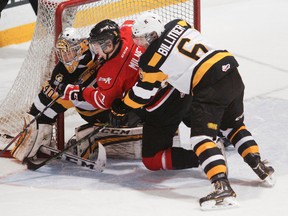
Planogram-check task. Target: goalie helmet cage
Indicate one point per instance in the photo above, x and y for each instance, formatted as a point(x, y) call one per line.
point(55, 15)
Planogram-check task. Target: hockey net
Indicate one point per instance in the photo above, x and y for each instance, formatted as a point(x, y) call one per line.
point(55, 15)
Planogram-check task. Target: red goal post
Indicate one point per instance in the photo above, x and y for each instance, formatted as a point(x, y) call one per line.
point(52, 17)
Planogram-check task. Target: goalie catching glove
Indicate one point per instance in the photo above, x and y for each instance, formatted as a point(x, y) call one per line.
point(72, 92)
point(118, 116)
point(31, 139)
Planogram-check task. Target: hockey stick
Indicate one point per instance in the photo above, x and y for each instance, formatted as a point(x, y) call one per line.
point(34, 166)
point(30, 123)
point(82, 78)
point(97, 165)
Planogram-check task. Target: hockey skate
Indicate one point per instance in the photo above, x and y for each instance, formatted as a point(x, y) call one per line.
point(222, 197)
point(261, 168)
point(265, 172)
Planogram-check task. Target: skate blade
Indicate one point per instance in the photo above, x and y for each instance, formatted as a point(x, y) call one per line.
point(269, 181)
point(228, 202)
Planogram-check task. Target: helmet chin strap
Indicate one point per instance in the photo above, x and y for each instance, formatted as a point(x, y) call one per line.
point(111, 52)
point(106, 54)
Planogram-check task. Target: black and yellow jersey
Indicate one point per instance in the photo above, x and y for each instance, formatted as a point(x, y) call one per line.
point(84, 74)
point(181, 57)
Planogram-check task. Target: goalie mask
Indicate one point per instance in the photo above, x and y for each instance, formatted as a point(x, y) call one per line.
point(146, 28)
point(70, 47)
point(104, 37)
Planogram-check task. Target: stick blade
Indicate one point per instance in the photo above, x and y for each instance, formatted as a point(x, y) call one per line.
point(102, 158)
point(99, 164)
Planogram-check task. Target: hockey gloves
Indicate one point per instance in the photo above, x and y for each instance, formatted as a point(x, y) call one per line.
point(73, 92)
point(118, 115)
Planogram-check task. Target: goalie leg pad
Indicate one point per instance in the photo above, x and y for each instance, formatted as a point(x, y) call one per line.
point(27, 139)
point(31, 139)
point(120, 143)
point(44, 137)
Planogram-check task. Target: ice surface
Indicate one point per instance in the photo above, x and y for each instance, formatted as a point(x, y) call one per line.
point(256, 32)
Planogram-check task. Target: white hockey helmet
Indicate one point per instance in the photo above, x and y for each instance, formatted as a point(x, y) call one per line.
point(146, 25)
point(70, 47)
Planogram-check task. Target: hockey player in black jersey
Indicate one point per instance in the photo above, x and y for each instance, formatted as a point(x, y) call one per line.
point(179, 55)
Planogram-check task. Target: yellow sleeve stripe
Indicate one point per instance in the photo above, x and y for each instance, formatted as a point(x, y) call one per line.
point(65, 103)
point(182, 23)
point(153, 77)
point(127, 100)
point(154, 60)
point(207, 65)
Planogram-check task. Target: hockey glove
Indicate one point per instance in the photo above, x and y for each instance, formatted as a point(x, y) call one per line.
point(73, 92)
point(118, 115)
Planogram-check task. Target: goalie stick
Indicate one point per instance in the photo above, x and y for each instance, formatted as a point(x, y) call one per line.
point(28, 125)
point(82, 78)
point(97, 165)
point(34, 166)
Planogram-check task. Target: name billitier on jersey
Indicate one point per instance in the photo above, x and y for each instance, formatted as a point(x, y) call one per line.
point(170, 39)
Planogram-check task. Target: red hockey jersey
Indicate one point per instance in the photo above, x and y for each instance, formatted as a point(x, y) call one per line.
point(118, 74)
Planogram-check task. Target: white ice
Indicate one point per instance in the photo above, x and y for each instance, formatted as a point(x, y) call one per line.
point(256, 32)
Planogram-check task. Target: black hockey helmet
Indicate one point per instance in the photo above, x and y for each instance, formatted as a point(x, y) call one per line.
point(105, 30)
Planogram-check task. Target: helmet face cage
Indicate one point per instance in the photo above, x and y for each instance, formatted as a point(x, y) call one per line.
point(140, 40)
point(67, 52)
point(104, 40)
point(146, 25)
point(68, 46)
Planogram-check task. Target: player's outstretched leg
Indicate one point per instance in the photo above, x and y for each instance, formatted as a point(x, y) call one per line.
point(247, 147)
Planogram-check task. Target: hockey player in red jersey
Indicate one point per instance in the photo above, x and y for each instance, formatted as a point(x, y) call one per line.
point(179, 55)
point(120, 70)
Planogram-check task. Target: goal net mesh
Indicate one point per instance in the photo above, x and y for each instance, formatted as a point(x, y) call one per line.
point(40, 59)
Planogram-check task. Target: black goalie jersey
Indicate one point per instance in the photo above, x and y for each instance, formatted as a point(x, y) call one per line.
point(84, 74)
